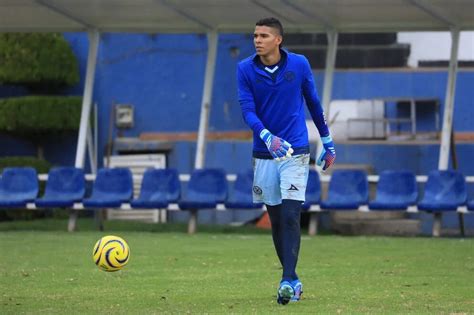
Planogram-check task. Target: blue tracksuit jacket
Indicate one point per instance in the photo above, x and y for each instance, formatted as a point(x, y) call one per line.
point(278, 104)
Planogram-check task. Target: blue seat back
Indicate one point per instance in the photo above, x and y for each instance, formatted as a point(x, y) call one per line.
point(160, 184)
point(313, 188)
point(445, 186)
point(242, 191)
point(207, 185)
point(349, 186)
point(114, 182)
point(66, 182)
point(397, 186)
point(21, 183)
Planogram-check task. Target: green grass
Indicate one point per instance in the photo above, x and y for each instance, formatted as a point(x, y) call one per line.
point(223, 270)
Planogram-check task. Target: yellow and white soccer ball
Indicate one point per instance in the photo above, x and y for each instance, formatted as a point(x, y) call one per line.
point(111, 253)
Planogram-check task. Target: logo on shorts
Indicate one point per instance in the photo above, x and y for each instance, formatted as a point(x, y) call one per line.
point(293, 187)
point(257, 190)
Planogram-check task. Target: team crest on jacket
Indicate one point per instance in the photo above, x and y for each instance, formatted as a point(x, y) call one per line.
point(289, 76)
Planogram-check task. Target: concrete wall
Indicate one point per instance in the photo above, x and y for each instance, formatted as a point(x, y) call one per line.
point(162, 76)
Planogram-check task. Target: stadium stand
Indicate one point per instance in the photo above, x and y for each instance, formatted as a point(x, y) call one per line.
point(18, 186)
point(112, 187)
point(444, 191)
point(206, 188)
point(396, 190)
point(159, 188)
point(348, 189)
point(470, 205)
point(240, 195)
point(313, 198)
point(313, 191)
point(64, 187)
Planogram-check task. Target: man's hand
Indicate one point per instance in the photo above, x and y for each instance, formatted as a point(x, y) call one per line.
point(278, 148)
point(328, 155)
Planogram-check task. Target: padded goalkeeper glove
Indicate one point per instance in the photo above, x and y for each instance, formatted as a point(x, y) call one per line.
point(328, 155)
point(278, 148)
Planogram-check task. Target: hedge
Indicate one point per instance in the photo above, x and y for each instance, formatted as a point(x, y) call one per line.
point(40, 114)
point(39, 61)
point(41, 166)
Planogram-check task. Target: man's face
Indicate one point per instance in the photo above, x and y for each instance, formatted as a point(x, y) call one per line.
point(266, 40)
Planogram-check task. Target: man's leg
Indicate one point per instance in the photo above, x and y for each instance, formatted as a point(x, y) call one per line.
point(293, 181)
point(266, 189)
point(275, 217)
point(290, 233)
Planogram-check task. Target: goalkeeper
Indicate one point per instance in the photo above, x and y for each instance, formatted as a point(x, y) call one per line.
point(273, 85)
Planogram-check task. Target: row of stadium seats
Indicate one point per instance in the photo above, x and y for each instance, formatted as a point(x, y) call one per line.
point(348, 190)
point(208, 189)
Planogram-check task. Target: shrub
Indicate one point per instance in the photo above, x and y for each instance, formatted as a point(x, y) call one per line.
point(31, 115)
point(39, 61)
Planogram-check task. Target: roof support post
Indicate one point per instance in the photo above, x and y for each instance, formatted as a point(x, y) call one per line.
point(87, 98)
point(84, 128)
point(329, 72)
point(449, 103)
point(212, 40)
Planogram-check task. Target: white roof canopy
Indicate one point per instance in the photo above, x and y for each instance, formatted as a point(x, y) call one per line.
point(234, 16)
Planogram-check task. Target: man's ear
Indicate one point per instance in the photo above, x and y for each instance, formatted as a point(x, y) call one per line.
point(279, 39)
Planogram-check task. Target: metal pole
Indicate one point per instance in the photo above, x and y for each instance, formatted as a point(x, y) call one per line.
point(413, 118)
point(85, 114)
point(212, 38)
point(449, 103)
point(87, 97)
point(329, 72)
point(90, 150)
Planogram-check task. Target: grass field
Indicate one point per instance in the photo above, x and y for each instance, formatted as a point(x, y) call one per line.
point(228, 270)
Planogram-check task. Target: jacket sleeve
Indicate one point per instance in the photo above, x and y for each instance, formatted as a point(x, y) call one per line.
point(312, 100)
point(247, 103)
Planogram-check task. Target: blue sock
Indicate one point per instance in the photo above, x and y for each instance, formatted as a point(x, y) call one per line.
point(275, 214)
point(290, 234)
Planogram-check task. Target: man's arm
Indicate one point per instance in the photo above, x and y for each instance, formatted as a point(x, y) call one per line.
point(278, 148)
point(247, 103)
point(328, 155)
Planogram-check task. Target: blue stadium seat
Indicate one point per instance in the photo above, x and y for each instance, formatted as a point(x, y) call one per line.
point(313, 190)
point(112, 187)
point(348, 189)
point(240, 197)
point(444, 191)
point(18, 186)
point(159, 188)
point(470, 205)
point(65, 186)
point(206, 188)
point(396, 190)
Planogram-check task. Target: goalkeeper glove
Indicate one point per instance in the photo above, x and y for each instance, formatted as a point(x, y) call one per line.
point(278, 148)
point(328, 155)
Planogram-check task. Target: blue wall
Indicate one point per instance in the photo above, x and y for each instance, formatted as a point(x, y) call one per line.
point(163, 77)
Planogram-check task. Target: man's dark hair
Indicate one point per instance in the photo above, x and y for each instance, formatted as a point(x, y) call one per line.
point(271, 22)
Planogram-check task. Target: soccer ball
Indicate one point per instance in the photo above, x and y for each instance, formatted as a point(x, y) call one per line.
point(111, 253)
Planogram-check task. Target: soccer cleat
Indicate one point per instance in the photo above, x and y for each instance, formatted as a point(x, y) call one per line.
point(285, 293)
point(298, 290)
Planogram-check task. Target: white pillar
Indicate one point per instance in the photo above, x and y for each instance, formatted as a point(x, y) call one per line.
point(212, 39)
point(84, 128)
point(87, 97)
point(329, 72)
point(449, 103)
